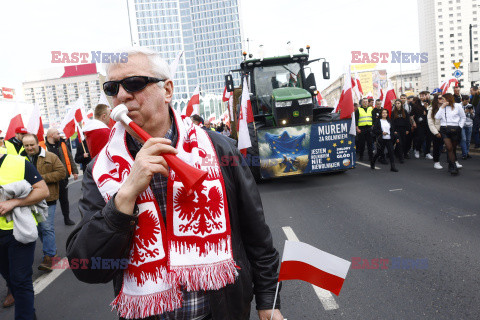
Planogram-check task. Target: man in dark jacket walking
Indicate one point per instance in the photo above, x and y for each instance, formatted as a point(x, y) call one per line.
point(112, 226)
point(60, 148)
point(52, 171)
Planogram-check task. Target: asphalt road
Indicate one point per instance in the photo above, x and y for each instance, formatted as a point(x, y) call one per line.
point(417, 213)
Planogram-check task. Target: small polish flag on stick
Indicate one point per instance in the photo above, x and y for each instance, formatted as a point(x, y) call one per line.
point(226, 95)
point(302, 261)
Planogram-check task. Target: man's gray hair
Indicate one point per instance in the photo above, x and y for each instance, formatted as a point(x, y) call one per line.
point(159, 66)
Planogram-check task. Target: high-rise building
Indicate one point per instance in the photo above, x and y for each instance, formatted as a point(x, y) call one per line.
point(444, 33)
point(56, 88)
point(208, 31)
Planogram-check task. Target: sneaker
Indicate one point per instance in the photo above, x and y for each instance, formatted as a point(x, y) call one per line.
point(437, 165)
point(464, 157)
point(469, 156)
point(428, 156)
point(417, 154)
point(458, 165)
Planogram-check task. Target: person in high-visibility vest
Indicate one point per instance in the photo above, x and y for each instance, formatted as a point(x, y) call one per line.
point(14, 145)
point(16, 258)
point(364, 121)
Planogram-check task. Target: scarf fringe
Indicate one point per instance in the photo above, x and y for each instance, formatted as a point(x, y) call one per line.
point(206, 277)
point(139, 307)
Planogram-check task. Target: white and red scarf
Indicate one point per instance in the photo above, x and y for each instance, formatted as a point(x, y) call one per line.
point(193, 250)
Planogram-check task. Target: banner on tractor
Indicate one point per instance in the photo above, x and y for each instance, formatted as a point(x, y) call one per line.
point(296, 150)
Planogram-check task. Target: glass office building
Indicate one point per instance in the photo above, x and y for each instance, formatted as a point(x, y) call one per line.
point(208, 31)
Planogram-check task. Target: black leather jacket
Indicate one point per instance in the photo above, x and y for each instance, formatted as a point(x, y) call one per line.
point(107, 233)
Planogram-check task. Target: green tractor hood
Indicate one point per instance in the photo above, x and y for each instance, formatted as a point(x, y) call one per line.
point(290, 93)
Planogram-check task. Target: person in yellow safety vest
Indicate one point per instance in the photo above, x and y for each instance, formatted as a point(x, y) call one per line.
point(364, 122)
point(14, 145)
point(16, 258)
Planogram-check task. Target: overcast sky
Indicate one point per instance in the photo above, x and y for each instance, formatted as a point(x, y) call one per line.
point(32, 29)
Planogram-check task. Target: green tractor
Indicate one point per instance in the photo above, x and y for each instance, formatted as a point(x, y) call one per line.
point(283, 97)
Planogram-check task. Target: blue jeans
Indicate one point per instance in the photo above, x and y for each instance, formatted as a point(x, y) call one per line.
point(16, 260)
point(466, 138)
point(46, 233)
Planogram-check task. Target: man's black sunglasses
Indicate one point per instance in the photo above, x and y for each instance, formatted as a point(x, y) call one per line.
point(130, 84)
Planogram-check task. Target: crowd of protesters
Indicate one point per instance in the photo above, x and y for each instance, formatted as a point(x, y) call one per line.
point(422, 126)
point(419, 126)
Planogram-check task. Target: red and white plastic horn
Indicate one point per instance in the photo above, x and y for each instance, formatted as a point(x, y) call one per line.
point(191, 177)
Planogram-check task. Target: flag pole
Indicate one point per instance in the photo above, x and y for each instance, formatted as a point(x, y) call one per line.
point(275, 300)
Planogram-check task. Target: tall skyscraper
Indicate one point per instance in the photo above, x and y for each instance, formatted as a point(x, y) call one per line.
point(444, 34)
point(207, 30)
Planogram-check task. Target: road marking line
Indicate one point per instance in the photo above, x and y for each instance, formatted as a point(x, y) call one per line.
point(366, 165)
point(467, 216)
point(44, 280)
point(290, 234)
point(395, 190)
point(325, 297)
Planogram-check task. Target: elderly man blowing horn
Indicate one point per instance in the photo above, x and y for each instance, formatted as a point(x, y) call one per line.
point(198, 255)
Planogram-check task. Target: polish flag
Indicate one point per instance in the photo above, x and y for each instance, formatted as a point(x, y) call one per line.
point(319, 98)
point(381, 93)
point(226, 95)
point(74, 115)
point(304, 262)
point(35, 124)
point(387, 99)
point(15, 122)
point(358, 84)
point(8, 93)
point(446, 84)
point(96, 135)
point(225, 117)
point(335, 105)
point(193, 105)
point(346, 99)
point(369, 95)
point(81, 136)
point(244, 141)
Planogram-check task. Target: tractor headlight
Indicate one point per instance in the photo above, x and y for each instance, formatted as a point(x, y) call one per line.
point(305, 101)
point(281, 104)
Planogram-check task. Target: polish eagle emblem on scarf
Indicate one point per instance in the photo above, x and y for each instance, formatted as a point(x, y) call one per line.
point(198, 211)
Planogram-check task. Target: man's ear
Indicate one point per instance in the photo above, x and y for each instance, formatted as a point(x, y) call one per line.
point(168, 86)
